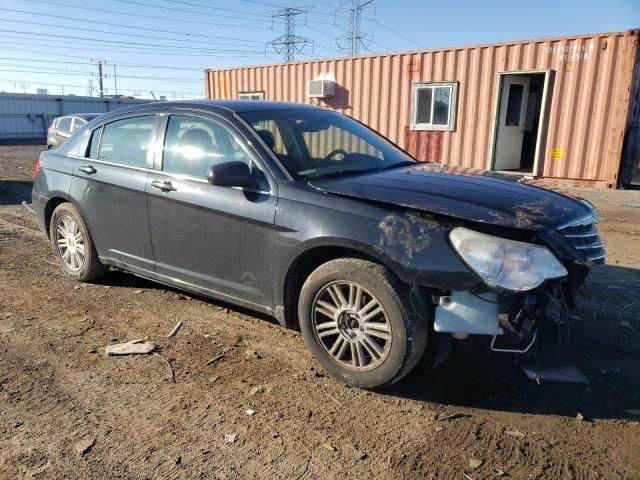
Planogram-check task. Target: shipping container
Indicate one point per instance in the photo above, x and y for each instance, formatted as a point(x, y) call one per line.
point(557, 108)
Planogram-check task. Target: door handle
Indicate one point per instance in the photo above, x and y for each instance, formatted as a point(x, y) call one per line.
point(88, 169)
point(165, 186)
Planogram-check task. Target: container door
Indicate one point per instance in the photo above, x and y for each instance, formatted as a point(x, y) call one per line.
point(511, 122)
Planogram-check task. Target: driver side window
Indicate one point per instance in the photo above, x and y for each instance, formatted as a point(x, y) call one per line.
point(332, 140)
point(193, 144)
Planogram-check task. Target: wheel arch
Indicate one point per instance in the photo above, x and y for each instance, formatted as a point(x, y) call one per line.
point(49, 207)
point(53, 203)
point(311, 258)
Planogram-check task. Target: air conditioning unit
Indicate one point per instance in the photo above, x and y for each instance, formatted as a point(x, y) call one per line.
point(321, 88)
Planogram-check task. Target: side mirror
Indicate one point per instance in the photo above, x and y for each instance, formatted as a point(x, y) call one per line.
point(232, 174)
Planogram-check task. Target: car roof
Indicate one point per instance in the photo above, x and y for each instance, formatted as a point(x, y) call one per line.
point(86, 116)
point(236, 106)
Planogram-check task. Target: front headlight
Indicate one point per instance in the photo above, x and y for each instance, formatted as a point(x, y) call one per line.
point(506, 263)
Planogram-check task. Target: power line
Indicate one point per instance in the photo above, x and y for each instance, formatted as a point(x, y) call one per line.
point(214, 8)
point(118, 63)
point(121, 34)
point(354, 38)
point(104, 63)
point(131, 44)
point(289, 43)
point(256, 2)
point(8, 80)
point(116, 49)
point(111, 24)
point(152, 17)
point(182, 10)
point(397, 33)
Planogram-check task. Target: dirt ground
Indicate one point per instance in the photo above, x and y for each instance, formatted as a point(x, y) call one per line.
point(68, 411)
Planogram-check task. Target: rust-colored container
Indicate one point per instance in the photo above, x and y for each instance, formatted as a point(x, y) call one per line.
point(557, 108)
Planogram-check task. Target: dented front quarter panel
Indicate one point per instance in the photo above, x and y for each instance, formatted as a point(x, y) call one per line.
point(412, 244)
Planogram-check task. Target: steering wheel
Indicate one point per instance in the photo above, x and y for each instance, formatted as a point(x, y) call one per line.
point(334, 153)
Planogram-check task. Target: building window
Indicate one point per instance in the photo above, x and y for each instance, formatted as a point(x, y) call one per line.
point(251, 95)
point(433, 106)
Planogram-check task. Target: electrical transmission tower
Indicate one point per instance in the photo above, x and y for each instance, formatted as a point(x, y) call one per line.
point(289, 43)
point(354, 38)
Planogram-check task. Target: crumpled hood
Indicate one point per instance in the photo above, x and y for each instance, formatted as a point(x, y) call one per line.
point(467, 194)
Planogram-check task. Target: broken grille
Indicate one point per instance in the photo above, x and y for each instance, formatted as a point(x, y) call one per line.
point(586, 240)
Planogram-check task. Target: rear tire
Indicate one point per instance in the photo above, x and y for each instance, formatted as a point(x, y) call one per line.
point(73, 246)
point(357, 320)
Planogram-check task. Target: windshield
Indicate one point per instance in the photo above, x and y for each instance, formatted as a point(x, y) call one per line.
point(321, 143)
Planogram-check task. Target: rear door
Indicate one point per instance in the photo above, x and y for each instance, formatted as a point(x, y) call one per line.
point(217, 238)
point(109, 186)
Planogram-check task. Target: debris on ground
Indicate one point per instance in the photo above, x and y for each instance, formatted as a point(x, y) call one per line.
point(173, 374)
point(174, 330)
point(515, 433)
point(360, 455)
point(28, 207)
point(249, 411)
point(131, 348)
point(329, 447)
point(475, 463)
point(255, 390)
point(554, 374)
point(252, 354)
point(579, 417)
point(214, 359)
point(453, 416)
point(231, 437)
point(84, 445)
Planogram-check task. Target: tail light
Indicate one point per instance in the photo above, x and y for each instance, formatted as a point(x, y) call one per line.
point(36, 168)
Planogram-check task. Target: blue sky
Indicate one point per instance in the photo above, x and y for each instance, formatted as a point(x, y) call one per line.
point(49, 44)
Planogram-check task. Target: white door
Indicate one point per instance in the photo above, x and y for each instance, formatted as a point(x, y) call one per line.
point(511, 122)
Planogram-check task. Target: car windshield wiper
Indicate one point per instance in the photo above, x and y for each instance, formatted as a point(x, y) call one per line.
point(339, 173)
point(404, 163)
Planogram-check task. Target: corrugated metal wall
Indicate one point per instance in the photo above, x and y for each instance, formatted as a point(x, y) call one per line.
point(26, 116)
point(590, 80)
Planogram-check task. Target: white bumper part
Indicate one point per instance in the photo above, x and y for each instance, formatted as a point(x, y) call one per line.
point(465, 313)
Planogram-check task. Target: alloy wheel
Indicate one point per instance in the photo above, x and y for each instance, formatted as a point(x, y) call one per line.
point(351, 325)
point(70, 243)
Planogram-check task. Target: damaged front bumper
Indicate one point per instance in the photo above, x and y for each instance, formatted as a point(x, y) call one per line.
point(511, 319)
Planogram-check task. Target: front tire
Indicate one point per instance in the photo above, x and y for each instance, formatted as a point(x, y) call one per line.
point(357, 320)
point(73, 246)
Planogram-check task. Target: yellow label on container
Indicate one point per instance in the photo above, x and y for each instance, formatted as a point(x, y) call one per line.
point(557, 154)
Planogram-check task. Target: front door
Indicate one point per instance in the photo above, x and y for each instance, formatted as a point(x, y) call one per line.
point(511, 122)
point(110, 187)
point(217, 238)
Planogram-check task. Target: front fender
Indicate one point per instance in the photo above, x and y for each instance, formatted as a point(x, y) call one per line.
point(412, 244)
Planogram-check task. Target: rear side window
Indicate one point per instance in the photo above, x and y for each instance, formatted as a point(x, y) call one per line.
point(64, 124)
point(194, 144)
point(126, 141)
point(77, 123)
